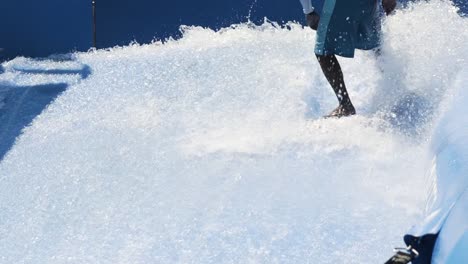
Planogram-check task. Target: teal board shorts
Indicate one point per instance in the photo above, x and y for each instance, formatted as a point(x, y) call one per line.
point(346, 25)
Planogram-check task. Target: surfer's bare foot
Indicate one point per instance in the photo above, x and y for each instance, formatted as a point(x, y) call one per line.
point(342, 110)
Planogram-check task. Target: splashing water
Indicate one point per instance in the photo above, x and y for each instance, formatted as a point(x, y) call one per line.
point(209, 149)
point(254, 2)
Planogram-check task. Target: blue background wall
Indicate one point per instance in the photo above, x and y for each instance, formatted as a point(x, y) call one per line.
point(143, 19)
point(39, 28)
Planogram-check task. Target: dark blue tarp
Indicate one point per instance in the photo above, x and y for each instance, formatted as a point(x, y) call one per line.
point(121, 21)
point(40, 28)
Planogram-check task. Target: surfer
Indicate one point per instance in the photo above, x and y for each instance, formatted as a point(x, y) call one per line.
point(343, 26)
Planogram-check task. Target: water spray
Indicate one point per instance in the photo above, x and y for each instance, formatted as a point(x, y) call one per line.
point(250, 11)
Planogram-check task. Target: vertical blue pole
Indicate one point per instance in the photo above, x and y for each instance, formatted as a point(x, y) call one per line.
point(94, 22)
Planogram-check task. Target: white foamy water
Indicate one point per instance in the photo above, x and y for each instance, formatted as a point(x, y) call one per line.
point(209, 149)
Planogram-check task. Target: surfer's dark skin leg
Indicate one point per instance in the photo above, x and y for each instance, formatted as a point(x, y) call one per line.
point(332, 71)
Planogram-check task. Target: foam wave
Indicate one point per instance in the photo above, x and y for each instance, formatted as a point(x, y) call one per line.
point(207, 149)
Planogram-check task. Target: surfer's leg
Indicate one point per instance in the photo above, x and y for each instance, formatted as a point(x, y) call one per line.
point(332, 71)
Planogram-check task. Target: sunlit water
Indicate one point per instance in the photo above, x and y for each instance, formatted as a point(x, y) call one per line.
point(210, 149)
